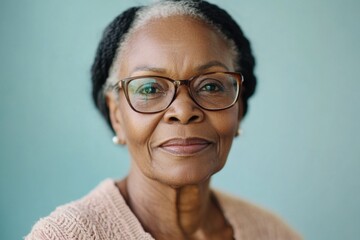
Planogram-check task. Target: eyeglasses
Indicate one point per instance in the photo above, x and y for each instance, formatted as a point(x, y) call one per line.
point(211, 91)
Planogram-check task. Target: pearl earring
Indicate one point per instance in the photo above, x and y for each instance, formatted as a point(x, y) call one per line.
point(239, 132)
point(115, 140)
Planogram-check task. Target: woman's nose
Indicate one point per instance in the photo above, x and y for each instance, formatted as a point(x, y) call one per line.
point(183, 109)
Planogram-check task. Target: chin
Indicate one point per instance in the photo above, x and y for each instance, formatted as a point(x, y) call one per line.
point(181, 177)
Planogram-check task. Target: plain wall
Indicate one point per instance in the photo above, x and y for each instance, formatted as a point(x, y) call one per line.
point(299, 155)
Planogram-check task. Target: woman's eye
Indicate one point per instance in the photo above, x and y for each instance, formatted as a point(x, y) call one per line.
point(211, 86)
point(148, 89)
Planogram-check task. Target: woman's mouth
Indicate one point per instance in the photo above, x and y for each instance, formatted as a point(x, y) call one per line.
point(188, 146)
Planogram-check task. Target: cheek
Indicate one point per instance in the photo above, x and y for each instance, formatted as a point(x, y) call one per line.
point(138, 134)
point(137, 129)
point(226, 124)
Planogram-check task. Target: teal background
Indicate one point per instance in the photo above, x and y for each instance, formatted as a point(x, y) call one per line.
point(299, 155)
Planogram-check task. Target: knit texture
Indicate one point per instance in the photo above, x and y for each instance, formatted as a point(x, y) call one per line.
point(103, 214)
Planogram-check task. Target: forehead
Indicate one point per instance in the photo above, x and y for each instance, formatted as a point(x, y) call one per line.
point(173, 42)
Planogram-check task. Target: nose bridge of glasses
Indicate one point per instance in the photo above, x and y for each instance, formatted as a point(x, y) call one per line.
point(186, 84)
point(178, 83)
point(186, 91)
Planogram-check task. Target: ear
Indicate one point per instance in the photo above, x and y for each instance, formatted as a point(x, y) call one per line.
point(115, 117)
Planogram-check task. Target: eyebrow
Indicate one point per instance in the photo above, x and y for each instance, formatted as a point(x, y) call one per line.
point(199, 69)
point(210, 65)
point(149, 69)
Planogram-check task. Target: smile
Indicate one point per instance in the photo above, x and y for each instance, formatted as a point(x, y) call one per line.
point(188, 146)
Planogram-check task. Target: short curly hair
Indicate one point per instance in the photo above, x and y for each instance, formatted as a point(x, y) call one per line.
point(117, 32)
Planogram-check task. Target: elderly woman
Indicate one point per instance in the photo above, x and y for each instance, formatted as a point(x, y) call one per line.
point(173, 80)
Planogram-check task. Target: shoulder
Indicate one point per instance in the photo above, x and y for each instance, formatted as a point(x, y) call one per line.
point(102, 214)
point(253, 222)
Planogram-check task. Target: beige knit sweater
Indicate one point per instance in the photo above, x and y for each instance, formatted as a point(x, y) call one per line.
point(103, 214)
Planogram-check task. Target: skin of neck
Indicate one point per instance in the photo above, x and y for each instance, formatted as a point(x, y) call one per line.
point(186, 212)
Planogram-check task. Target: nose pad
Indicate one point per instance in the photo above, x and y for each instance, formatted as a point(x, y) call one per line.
point(183, 109)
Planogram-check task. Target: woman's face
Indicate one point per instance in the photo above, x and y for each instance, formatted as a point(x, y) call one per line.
point(184, 144)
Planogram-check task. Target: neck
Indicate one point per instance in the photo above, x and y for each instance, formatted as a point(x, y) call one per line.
point(171, 213)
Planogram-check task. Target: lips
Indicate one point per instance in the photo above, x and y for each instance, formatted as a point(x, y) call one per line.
point(188, 146)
